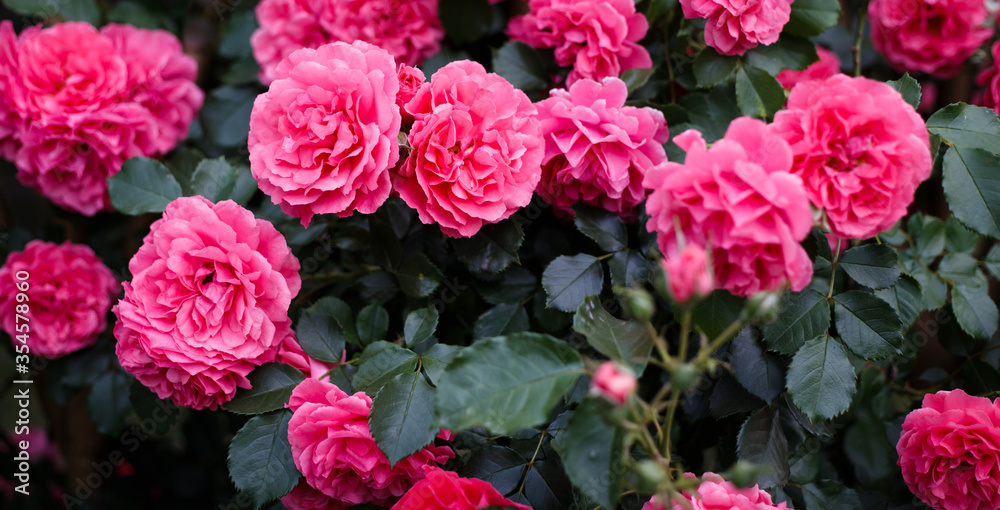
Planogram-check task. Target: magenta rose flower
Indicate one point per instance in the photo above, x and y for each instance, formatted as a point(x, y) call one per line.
point(290, 352)
point(733, 26)
point(929, 36)
point(409, 30)
point(305, 497)
point(207, 303)
point(410, 80)
point(69, 293)
point(445, 490)
point(989, 79)
point(120, 92)
point(335, 452)
point(688, 273)
point(827, 66)
point(715, 493)
point(599, 38)
point(860, 149)
point(597, 150)
point(613, 382)
point(950, 451)
point(740, 201)
point(324, 135)
point(476, 150)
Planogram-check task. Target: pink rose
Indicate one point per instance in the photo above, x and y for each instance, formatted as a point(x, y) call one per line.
point(161, 80)
point(950, 451)
point(715, 493)
point(989, 79)
point(335, 452)
point(688, 274)
point(69, 292)
point(445, 490)
point(827, 66)
point(11, 122)
point(476, 150)
point(735, 26)
point(304, 497)
point(613, 382)
point(739, 200)
point(597, 150)
point(119, 93)
point(409, 30)
point(599, 38)
point(324, 135)
point(860, 149)
point(207, 303)
point(410, 80)
point(929, 36)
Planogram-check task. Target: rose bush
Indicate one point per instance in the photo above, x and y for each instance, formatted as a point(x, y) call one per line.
point(446, 254)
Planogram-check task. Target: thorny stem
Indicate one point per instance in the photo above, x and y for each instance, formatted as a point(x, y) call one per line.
point(859, 37)
point(833, 270)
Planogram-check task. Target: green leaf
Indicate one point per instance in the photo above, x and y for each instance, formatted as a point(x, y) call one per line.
point(591, 451)
point(570, 279)
point(762, 442)
point(758, 94)
point(235, 42)
point(418, 277)
point(320, 336)
point(516, 285)
point(628, 269)
point(972, 188)
point(465, 21)
point(905, 298)
point(789, 52)
point(868, 325)
point(214, 179)
point(934, 289)
point(992, 261)
point(143, 185)
point(711, 68)
point(81, 10)
point(966, 126)
point(380, 362)
point(271, 385)
point(761, 373)
point(829, 495)
point(226, 115)
point(908, 88)
point(108, 402)
point(959, 239)
point(716, 312)
point(624, 341)
point(491, 249)
point(402, 416)
point(260, 458)
point(151, 409)
point(803, 315)
point(341, 312)
point(872, 265)
point(435, 359)
point(503, 319)
point(372, 324)
point(420, 325)
point(821, 380)
point(975, 310)
point(635, 78)
point(868, 448)
point(522, 66)
point(604, 227)
point(499, 466)
point(959, 269)
point(810, 18)
point(928, 236)
point(507, 383)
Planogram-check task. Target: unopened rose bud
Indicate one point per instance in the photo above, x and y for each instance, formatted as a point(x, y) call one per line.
point(688, 274)
point(613, 382)
point(639, 304)
point(685, 376)
point(763, 306)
